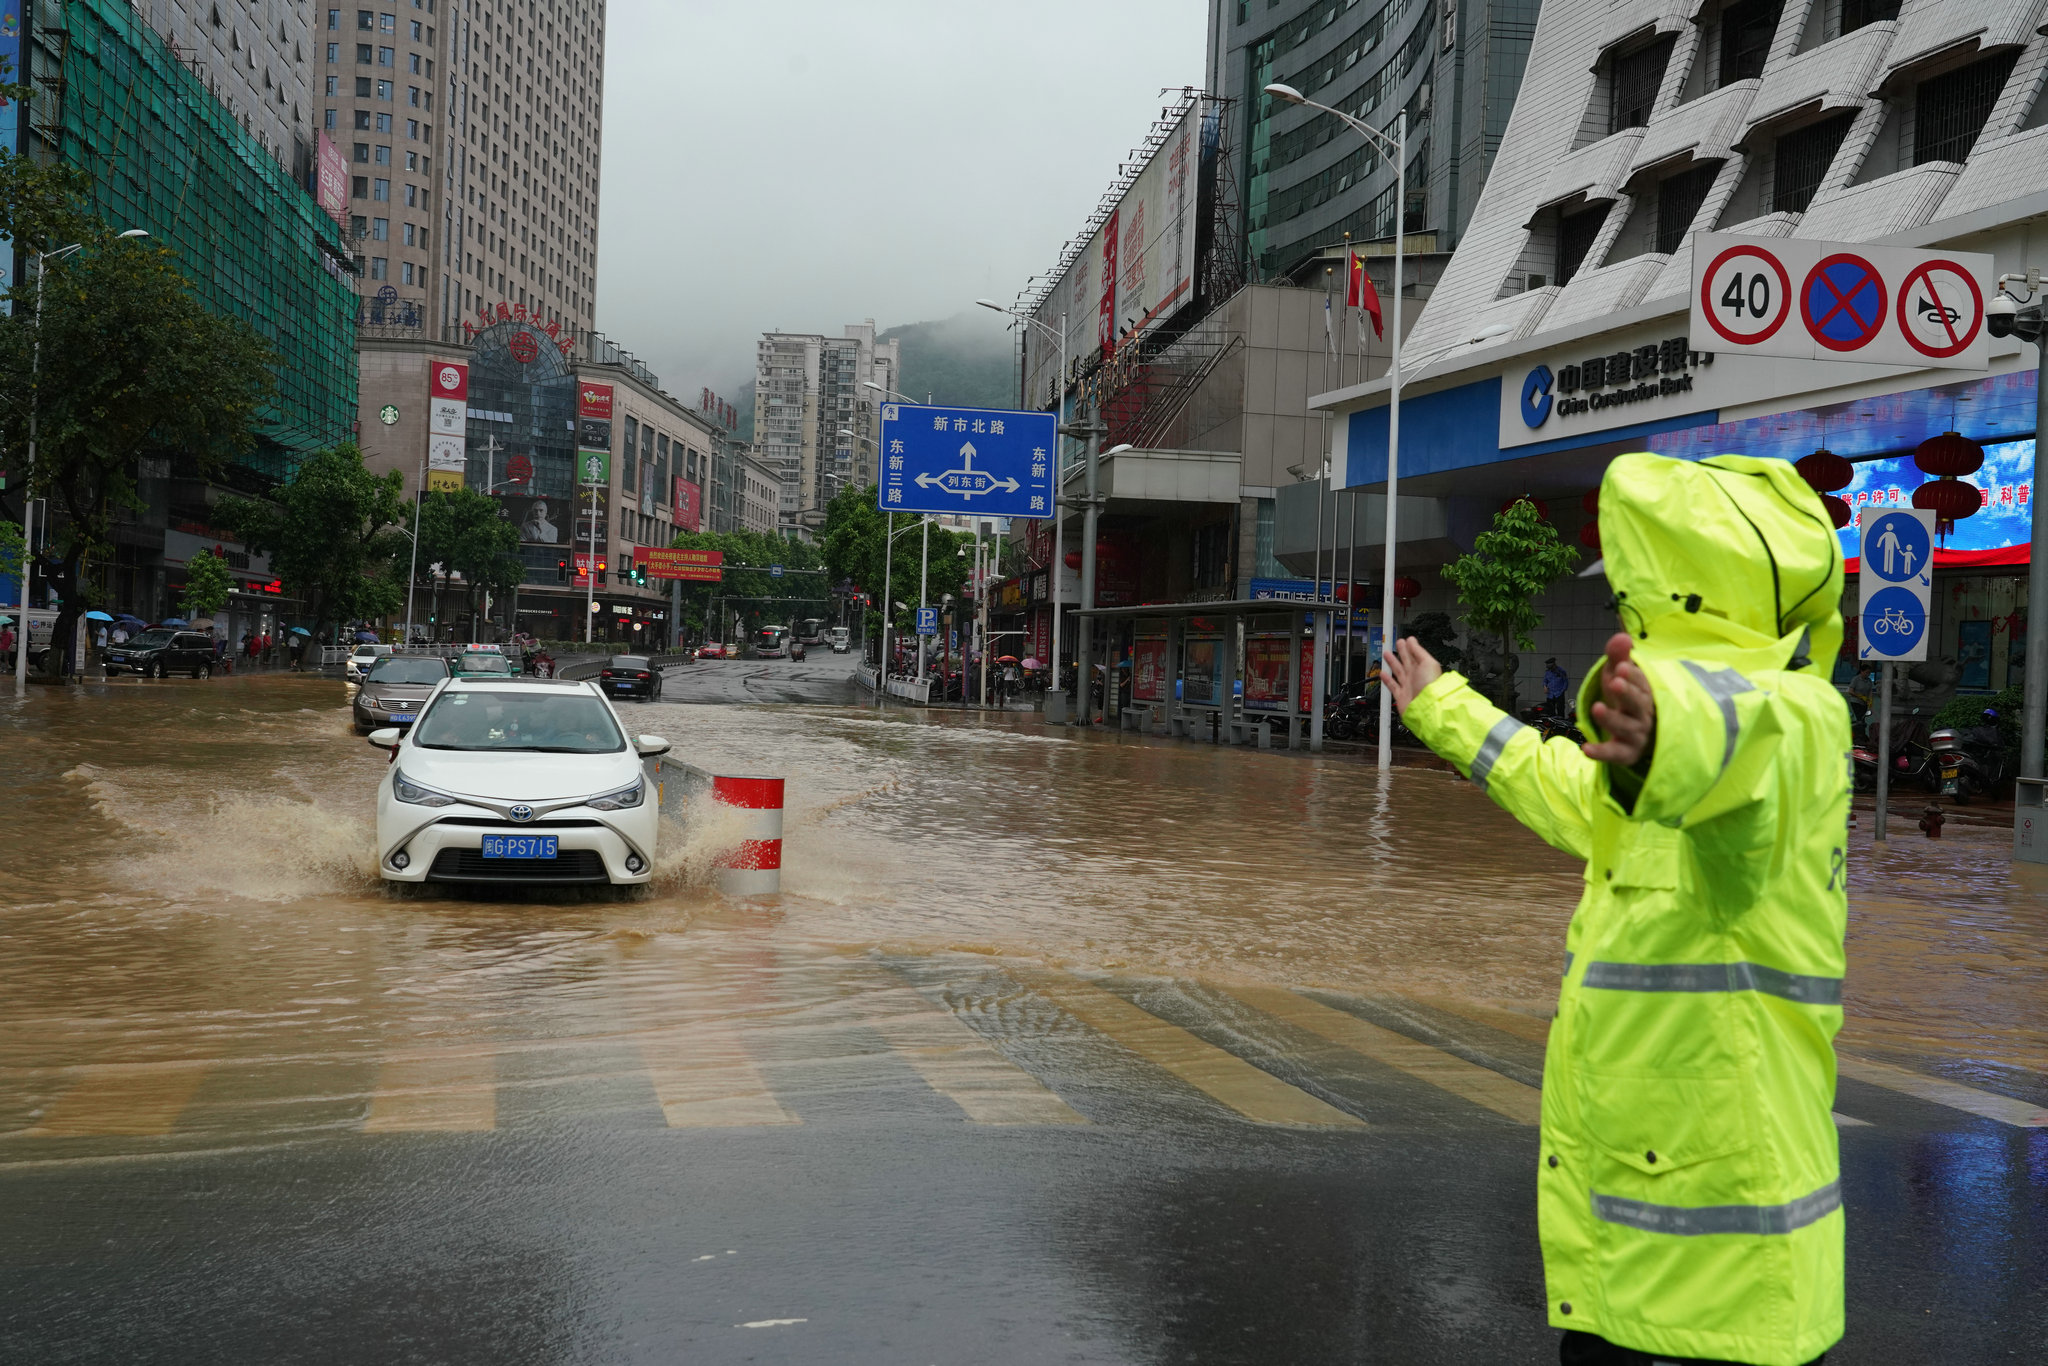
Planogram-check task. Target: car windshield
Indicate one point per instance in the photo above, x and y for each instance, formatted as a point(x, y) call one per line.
point(371, 651)
point(544, 721)
point(626, 662)
point(149, 640)
point(483, 664)
point(408, 671)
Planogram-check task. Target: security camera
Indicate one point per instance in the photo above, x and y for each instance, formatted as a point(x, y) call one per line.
point(2001, 314)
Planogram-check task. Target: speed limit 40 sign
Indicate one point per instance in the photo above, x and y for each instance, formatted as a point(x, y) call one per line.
point(1806, 300)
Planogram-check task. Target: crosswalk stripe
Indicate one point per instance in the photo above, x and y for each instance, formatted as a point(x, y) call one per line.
point(435, 1093)
point(705, 1078)
point(137, 1100)
point(1529, 1027)
point(1257, 1095)
point(1480, 1085)
point(1987, 1104)
point(959, 1064)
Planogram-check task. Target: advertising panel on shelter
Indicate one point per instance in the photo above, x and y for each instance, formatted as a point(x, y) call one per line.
point(1148, 671)
point(1266, 669)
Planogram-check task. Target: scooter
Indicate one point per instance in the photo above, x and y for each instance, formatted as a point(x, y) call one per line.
point(1972, 761)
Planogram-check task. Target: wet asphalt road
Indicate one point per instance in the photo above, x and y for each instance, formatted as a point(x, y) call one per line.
point(252, 1110)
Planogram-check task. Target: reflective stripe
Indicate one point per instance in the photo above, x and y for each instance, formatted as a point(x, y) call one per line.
point(1567, 962)
point(1690, 1222)
point(1497, 739)
point(1811, 991)
point(1722, 685)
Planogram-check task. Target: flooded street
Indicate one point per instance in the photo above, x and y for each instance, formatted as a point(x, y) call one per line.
point(1054, 1048)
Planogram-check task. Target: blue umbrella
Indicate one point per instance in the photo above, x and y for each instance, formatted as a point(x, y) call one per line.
point(129, 616)
point(366, 637)
point(172, 621)
point(97, 615)
point(300, 631)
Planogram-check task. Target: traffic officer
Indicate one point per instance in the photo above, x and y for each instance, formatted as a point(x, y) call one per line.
point(1688, 1192)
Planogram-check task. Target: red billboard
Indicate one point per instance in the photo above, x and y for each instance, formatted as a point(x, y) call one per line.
point(332, 180)
point(448, 379)
point(594, 400)
point(1105, 316)
point(689, 500)
point(699, 565)
point(1148, 671)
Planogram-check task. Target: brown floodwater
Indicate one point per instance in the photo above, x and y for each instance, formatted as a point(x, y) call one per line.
point(189, 874)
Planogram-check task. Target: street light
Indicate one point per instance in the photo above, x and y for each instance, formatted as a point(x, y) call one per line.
point(1059, 536)
point(28, 503)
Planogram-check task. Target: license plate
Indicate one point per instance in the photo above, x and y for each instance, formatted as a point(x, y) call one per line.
point(1947, 772)
point(520, 846)
point(623, 687)
point(403, 718)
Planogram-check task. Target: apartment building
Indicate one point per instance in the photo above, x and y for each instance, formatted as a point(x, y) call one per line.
point(472, 130)
point(817, 416)
point(759, 487)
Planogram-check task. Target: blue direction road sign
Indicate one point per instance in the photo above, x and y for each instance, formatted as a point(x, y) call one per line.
point(973, 462)
point(1895, 576)
point(927, 621)
point(774, 571)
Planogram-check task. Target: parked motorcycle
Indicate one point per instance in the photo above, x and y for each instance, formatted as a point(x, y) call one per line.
point(1972, 760)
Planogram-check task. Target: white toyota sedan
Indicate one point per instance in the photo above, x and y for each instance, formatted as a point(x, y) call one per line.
point(517, 781)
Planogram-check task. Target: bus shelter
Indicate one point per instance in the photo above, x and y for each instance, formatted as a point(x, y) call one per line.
point(1222, 671)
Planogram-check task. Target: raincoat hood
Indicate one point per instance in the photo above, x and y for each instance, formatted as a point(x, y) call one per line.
point(1731, 555)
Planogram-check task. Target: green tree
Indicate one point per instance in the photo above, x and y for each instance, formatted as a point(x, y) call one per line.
point(748, 594)
point(131, 365)
point(1498, 582)
point(465, 532)
point(332, 534)
point(207, 585)
point(854, 534)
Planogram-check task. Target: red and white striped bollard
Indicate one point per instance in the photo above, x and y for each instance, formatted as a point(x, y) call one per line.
point(753, 866)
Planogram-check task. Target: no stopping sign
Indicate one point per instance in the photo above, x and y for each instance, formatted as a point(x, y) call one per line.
point(1745, 295)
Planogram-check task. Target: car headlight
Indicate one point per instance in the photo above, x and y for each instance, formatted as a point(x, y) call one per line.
point(624, 798)
point(413, 794)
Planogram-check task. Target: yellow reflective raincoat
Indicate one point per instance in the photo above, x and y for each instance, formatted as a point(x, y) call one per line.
point(1688, 1193)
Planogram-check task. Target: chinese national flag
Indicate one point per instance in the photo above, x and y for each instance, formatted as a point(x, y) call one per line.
point(1363, 295)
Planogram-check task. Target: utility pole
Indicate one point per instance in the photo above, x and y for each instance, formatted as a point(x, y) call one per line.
point(1084, 630)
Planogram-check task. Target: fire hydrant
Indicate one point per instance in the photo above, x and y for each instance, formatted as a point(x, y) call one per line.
point(1930, 821)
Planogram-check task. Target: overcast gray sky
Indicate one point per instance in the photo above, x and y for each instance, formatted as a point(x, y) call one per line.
point(810, 163)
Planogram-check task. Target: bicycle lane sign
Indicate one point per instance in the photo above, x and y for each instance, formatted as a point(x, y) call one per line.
point(1895, 580)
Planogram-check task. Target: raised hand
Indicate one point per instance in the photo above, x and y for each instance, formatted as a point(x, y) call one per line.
point(1625, 709)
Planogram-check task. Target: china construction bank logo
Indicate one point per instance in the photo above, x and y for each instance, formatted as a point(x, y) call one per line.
point(1536, 397)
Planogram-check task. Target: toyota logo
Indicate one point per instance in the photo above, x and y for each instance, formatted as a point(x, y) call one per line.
point(522, 812)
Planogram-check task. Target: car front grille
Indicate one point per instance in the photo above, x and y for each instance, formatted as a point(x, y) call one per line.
point(496, 824)
point(470, 865)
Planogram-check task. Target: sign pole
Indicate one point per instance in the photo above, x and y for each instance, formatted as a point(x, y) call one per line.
point(590, 570)
point(1884, 749)
point(675, 614)
point(924, 574)
point(2034, 688)
point(888, 568)
point(28, 540)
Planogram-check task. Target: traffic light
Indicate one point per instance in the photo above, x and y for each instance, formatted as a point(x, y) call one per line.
point(561, 571)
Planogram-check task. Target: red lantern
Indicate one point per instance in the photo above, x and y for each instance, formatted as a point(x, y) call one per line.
point(1591, 502)
point(1104, 550)
point(1838, 509)
point(1589, 536)
point(1073, 559)
point(1949, 500)
point(1824, 471)
point(1406, 590)
point(1948, 455)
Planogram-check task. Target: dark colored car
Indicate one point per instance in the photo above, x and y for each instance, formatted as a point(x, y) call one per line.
point(480, 664)
point(395, 688)
point(630, 676)
point(163, 652)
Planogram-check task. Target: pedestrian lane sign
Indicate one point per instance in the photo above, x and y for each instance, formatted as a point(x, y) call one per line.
point(1895, 579)
point(973, 462)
